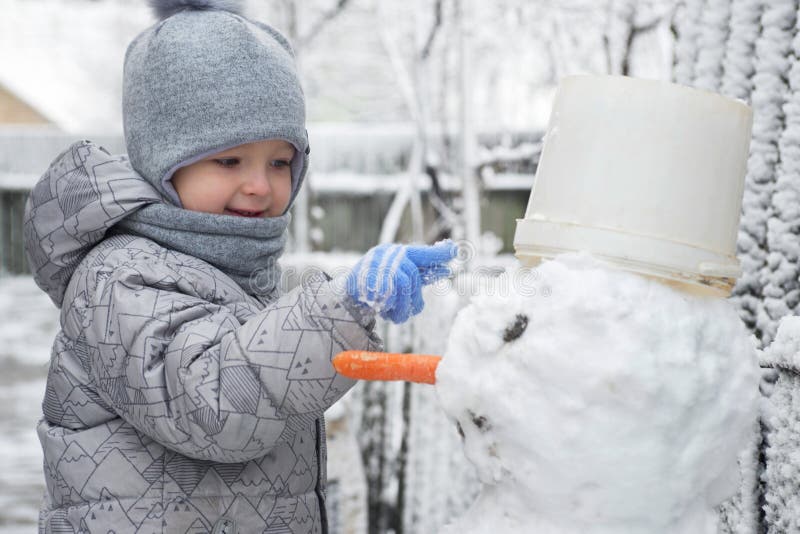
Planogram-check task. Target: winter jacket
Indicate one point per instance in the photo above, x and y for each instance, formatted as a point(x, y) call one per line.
point(175, 402)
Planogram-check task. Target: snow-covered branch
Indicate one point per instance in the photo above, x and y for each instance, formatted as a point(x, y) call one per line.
point(772, 51)
point(782, 272)
point(738, 63)
point(687, 26)
point(712, 37)
point(437, 24)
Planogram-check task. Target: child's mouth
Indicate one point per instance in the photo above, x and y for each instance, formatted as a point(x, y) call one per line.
point(241, 213)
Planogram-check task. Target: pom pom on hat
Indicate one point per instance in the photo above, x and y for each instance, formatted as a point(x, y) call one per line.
point(166, 8)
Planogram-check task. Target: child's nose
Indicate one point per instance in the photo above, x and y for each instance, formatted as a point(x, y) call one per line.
point(257, 183)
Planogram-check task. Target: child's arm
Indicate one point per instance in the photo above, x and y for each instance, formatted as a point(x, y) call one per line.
point(189, 374)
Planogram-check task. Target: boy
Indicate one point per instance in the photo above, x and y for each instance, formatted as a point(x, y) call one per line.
point(185, 394)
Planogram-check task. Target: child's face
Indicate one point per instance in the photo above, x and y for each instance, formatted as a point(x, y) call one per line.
point(251, 180)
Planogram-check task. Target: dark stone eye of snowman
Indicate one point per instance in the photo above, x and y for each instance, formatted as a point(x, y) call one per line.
point(516, 329)
point(480, 421)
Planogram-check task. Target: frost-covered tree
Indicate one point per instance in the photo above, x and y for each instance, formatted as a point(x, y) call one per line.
point(626, 21)
point(738, 63)
point(781, 274)
point(688, 16)
point(759, 64)
point(744, 49)
point(770, 92)
point(711, 44)
point(780, 495)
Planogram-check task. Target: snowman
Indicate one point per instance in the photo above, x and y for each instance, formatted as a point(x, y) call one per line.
point(617, 396)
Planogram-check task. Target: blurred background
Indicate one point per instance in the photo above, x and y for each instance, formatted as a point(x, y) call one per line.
point(405, 99)
point(425, 120)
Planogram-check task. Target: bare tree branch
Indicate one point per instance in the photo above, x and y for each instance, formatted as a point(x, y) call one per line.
point(437, 23)
point(320, 23)
point(633, 32)
point(608, 53)
point(649, 25)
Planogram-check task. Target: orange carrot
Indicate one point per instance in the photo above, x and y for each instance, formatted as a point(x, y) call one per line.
point(365, 365)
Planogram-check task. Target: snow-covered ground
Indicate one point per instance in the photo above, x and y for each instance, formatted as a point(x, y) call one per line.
point(28, 324)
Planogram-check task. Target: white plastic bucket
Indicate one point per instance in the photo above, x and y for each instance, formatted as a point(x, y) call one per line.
point(646, 175)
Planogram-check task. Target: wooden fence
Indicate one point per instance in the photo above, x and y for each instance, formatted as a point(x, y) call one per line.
point(12, 256)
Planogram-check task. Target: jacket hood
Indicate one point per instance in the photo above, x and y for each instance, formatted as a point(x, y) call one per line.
point(84, 192)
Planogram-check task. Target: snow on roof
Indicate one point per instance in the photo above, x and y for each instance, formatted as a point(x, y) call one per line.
point(65, 58)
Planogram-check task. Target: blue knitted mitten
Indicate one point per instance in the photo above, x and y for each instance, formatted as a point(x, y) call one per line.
point(389, 278)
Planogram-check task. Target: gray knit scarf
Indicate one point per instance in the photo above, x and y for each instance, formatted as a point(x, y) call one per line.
point(246, 249)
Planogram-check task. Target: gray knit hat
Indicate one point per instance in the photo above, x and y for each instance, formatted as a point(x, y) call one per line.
point(202, 80)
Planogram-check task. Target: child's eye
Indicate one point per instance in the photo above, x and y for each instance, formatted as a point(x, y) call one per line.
point(281, 163)
point(227, 162)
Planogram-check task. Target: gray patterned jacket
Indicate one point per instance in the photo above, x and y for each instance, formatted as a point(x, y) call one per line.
point(175, 401)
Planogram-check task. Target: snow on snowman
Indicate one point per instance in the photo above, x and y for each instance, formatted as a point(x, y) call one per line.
point(614, 405)
point(620, 401)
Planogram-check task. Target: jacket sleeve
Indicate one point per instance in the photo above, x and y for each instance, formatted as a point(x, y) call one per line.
point(189, 374)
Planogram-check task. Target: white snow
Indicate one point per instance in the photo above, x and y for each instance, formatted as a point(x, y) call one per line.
point(770, 91)
point(621, 406)
point(738, 64)
point(785, 349)
point(781, 407)
point(688, 16)
point(780, 275)
point(711, 43)
point(29, 324)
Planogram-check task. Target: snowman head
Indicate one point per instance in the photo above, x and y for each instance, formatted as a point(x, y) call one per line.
point(614, 398)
